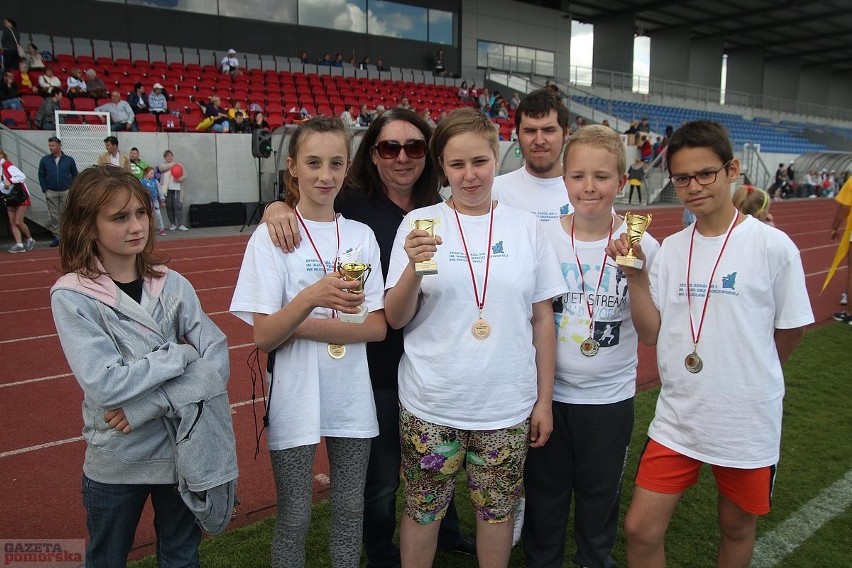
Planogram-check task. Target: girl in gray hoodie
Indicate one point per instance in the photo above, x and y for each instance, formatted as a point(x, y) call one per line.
point(128, 325)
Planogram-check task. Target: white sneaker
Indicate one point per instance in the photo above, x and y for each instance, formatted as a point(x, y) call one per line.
point(173, 228)
point(843, 299)
point(29, 243)
point(17, 247)
point(183, 228)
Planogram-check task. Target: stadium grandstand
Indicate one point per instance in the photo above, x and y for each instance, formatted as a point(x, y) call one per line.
point(782, 98)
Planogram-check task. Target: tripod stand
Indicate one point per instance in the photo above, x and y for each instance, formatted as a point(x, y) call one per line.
point(255, 216)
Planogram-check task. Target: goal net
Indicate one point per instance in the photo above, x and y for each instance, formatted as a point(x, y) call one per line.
point(82, 134)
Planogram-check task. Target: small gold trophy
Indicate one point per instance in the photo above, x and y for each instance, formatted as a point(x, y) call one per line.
point(355, 271)
point(636, 226)
point(427, 266)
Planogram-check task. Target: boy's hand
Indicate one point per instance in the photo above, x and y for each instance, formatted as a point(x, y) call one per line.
point(619, 247)
point(116, 419)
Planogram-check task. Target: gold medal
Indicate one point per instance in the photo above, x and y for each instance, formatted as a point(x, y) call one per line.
point(481, 329)
point(336, 351)
point(590, 347)
point(693, 363)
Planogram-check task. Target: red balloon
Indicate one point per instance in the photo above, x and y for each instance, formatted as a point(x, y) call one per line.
point(177, 171)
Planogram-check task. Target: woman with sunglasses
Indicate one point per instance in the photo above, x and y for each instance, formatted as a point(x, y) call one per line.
point(390, 176)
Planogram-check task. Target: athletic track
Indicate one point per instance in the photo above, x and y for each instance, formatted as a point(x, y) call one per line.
point(41, 451)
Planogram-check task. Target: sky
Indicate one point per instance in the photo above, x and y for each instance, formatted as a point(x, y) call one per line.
point(582, 41)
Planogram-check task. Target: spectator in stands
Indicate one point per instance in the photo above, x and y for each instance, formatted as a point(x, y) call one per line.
point(579, 122)
point(351, 61)
point(442, 116)
point(791, 179)
point(438, 65)
point(112, 156)
point(76, 84)
point(48, 80)
point(484, 101)
point(219, 115)
point(303, 57)
point(380, 65)
point(365, 117)
point(811, 183)
point(10, 94)
point(26, 82)
point(347, 118)
point(137, 165)
point(552, 86)
point(94, 85)
point(10, 39)
point(44, 119)
point(120, 112)
point(239, 124)
point(463, 91)
point(644, 126)
point(230, 64)
point(56, 171)
point(338, 60)
point(403, 103)
point(498, 108)
point(325, 61)
point(138, 99)
point(633, 128)
point(176, 193)
point(34, 58)
point(157, 102)
point(646, 150)
point(364, 62)
point(236, 108)
point(657, 147)
point(779, 188)
point(427, 117)
point(605, 122)
point(380, 110)
point(259, 121)
point(514, 101)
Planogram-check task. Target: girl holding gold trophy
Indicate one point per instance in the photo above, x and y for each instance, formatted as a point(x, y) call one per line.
point(476, 378)
point(320, 385)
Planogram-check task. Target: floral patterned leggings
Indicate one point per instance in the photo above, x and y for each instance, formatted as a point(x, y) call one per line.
point(432, 456)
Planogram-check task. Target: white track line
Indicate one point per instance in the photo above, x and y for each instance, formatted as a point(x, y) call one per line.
point(80, 438)
point(784, 539)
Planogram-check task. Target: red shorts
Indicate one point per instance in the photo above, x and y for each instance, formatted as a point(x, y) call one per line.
point(663, 470)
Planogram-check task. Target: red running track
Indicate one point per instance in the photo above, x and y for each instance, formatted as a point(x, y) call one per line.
point(41, 451)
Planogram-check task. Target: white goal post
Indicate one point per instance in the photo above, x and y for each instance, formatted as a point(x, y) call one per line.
point(82, 134)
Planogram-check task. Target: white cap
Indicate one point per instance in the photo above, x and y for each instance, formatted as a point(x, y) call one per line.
point(157, 86)
point(232, 51)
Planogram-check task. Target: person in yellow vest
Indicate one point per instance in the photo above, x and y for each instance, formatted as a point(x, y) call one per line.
point(844, 211)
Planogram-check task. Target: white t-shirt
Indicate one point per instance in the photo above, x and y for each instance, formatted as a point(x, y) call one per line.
point(609, 376)
point(313, 394)
point(728, 414)
point(546, 198)
point(446, 375)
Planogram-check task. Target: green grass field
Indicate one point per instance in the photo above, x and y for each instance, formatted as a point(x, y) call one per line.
point(815, 453)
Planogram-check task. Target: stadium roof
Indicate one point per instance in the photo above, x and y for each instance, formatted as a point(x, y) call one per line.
point(812, 32)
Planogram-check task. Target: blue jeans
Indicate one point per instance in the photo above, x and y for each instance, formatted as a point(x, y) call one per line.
point(112, 515)
point(380, 490)
point(12, 104)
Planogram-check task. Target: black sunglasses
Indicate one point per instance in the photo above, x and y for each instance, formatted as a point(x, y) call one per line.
point(389, 149)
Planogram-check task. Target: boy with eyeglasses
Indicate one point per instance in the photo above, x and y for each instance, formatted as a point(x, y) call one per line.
point(722, 346)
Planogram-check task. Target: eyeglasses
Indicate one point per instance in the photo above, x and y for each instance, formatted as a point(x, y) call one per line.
point(703, 178)
point(389, 149)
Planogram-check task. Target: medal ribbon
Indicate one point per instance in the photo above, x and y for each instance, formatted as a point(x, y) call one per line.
point(697, 335)
point(583, 277)
point(479, 304)
point(316, 250)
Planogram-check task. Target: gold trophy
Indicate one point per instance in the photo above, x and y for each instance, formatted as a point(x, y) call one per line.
point(352, 271)
point(427, 266)
point(636, 226)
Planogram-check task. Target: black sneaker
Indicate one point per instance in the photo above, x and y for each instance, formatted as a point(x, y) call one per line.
point(843, 317)
point(54, 242)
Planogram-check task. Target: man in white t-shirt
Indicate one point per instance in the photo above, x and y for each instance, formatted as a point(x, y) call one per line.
point(541, 121)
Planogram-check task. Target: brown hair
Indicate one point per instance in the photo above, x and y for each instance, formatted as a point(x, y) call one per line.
point(458, 122)
point(752, 201)
point(318, 125)
point(701, 134)
point(601, 137)
point(90, 191)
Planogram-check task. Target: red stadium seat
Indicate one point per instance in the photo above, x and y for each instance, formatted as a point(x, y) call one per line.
point(15, 119)
point(146, 122)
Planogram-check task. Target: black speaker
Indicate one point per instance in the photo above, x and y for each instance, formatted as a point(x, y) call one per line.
point(261, 143)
